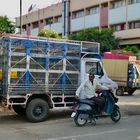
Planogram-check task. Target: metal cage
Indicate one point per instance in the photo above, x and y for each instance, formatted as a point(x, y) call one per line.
point(41, 66)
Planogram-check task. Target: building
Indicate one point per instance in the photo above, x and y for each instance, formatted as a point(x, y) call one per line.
point(71, 16)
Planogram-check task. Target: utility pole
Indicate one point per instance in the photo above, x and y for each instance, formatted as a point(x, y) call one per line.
point(65, 17)
point(20, 16)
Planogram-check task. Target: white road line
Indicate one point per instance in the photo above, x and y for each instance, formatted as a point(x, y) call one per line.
point(78, 136)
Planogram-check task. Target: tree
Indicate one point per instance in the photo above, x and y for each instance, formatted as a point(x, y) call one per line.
point(6, 26)
point(48, 33)
point(133, 49)
point(105, 37)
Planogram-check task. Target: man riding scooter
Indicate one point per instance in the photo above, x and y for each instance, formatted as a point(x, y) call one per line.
point(90, 87)
point(96, 104)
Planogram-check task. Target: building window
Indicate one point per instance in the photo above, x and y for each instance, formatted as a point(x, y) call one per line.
point(41, 21)
point(35, 24)
point(92, 10)
point(118, 27)
point(49, 21)
point(117, 4)
point(58, 19)
point(78, 14)
point(134, 25)
point(133, 1)
point(24, 27)
point(137, 25)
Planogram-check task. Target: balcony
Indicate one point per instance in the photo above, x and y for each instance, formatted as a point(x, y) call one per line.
point(134, 12)
point(57, 27)
point(131, 36)
point(34, 32)
point(117, 15)
point(92, 21)
point(77, 24)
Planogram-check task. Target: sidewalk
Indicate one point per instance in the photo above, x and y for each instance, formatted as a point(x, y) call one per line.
point(130, 105)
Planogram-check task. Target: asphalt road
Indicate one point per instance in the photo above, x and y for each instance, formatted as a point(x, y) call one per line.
point(60, 126)
point(13, 127)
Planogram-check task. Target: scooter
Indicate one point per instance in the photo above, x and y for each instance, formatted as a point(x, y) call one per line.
point(86, 110)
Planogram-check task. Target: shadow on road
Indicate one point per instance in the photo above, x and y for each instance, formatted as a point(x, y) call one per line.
point(11, 118)
point(130, 109)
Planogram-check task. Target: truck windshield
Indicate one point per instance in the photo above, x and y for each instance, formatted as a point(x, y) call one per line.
point(94, 67)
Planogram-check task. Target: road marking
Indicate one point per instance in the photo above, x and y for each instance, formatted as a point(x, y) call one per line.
point(78, 136)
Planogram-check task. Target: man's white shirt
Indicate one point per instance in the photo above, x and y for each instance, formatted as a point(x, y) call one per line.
point(89, 88)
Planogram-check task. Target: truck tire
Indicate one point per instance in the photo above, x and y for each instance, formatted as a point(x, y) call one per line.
point(131, 91)
point(120, 91)
point(37, 110)
point(19, 109)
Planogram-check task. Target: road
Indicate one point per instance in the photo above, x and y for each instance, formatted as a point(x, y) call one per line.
point(60, 126)
point(13, 127)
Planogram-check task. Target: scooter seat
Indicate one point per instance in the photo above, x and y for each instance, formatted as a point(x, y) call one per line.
point(87, 101)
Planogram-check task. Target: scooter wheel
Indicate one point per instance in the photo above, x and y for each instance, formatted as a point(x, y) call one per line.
point(79, 121)
point(115, 115)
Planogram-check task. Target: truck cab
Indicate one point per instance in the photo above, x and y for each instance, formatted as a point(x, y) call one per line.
point(95, 65)
point(91, 61)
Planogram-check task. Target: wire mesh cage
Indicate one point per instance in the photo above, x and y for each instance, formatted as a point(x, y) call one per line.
point(18, 45)
point(32, 65)
point(38, 66)
point(38, 47)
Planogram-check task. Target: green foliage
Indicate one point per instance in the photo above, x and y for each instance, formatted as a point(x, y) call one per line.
point(105, 37)
point(133, 49)
point(48, 33)
point(6, 26)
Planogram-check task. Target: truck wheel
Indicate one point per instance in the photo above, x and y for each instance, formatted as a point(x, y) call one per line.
point(120, 92)
point(131, 91)
point(19, 109)
point(37, 110)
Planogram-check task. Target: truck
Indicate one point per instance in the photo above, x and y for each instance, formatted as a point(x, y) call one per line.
point(38, 74)
point(124, 70)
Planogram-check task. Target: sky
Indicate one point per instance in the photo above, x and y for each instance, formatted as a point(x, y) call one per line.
point(11, 8)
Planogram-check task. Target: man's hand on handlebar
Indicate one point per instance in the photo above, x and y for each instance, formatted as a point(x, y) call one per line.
point(110, 89)
point(76, 97)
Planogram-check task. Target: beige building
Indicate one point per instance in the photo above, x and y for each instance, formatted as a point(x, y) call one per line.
point(71, 16)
